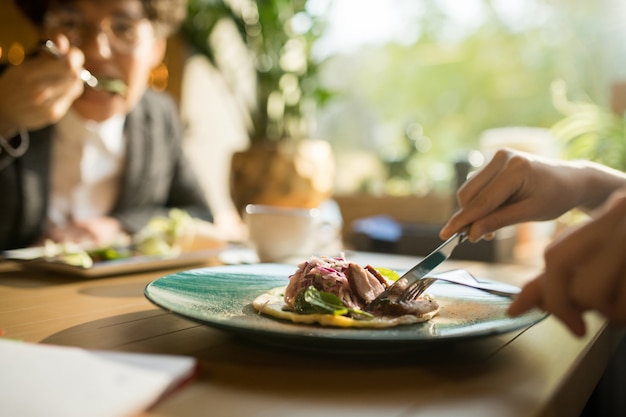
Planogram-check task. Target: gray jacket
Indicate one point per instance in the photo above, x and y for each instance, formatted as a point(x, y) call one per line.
point(157, 176)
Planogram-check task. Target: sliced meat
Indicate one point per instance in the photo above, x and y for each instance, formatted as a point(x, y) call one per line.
point(378, 276)
point(364, 284)
point(419, 307)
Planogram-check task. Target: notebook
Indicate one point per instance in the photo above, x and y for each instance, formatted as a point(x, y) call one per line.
point(48, 380)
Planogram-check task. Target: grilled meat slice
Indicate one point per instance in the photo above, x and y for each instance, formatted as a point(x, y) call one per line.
point(366, 285)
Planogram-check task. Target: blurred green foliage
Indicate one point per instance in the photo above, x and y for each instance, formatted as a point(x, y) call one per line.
point(419, 105)
point(278, 35)
point(590, 131)
point(425, 104)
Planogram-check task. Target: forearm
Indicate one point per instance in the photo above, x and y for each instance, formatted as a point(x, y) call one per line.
point(597, 183)
point(518, 187)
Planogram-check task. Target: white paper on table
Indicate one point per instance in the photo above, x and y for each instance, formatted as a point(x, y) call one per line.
point(47, 380)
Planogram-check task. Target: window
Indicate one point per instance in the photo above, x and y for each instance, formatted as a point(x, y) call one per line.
point(413, 84)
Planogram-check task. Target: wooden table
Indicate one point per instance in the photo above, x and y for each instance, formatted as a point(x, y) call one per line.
point(540, 371)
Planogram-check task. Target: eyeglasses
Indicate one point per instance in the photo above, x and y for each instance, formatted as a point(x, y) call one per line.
point(123, 33)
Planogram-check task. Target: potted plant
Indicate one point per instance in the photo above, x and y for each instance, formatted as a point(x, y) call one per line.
point(282, 165)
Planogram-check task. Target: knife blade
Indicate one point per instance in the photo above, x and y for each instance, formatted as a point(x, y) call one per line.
point(425, 266)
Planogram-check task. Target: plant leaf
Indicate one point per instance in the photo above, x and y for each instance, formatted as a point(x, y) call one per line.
point(313, 301)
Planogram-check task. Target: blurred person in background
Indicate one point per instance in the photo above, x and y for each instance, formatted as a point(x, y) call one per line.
point(84, 164)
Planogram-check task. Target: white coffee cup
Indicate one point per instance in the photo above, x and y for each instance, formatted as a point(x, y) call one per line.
point(283, 234)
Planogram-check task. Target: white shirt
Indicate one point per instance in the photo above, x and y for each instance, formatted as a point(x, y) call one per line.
point(87, 163)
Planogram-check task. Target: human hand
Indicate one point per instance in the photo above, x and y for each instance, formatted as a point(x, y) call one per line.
point(41, 89)
point(513, 187)
point(96, 232)
point(585, 269)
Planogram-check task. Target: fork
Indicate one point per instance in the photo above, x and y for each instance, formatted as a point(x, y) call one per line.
point(456, 276)
point(419, 271)
point(111, 85)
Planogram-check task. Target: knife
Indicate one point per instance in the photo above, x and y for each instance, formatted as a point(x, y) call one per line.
point(424, 267)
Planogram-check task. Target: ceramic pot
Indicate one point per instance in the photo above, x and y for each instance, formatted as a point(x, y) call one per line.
point(286, 173)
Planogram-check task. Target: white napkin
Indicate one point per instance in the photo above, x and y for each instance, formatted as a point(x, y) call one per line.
point(46, 380)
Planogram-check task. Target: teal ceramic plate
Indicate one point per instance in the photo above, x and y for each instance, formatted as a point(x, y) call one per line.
point(221, 297)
